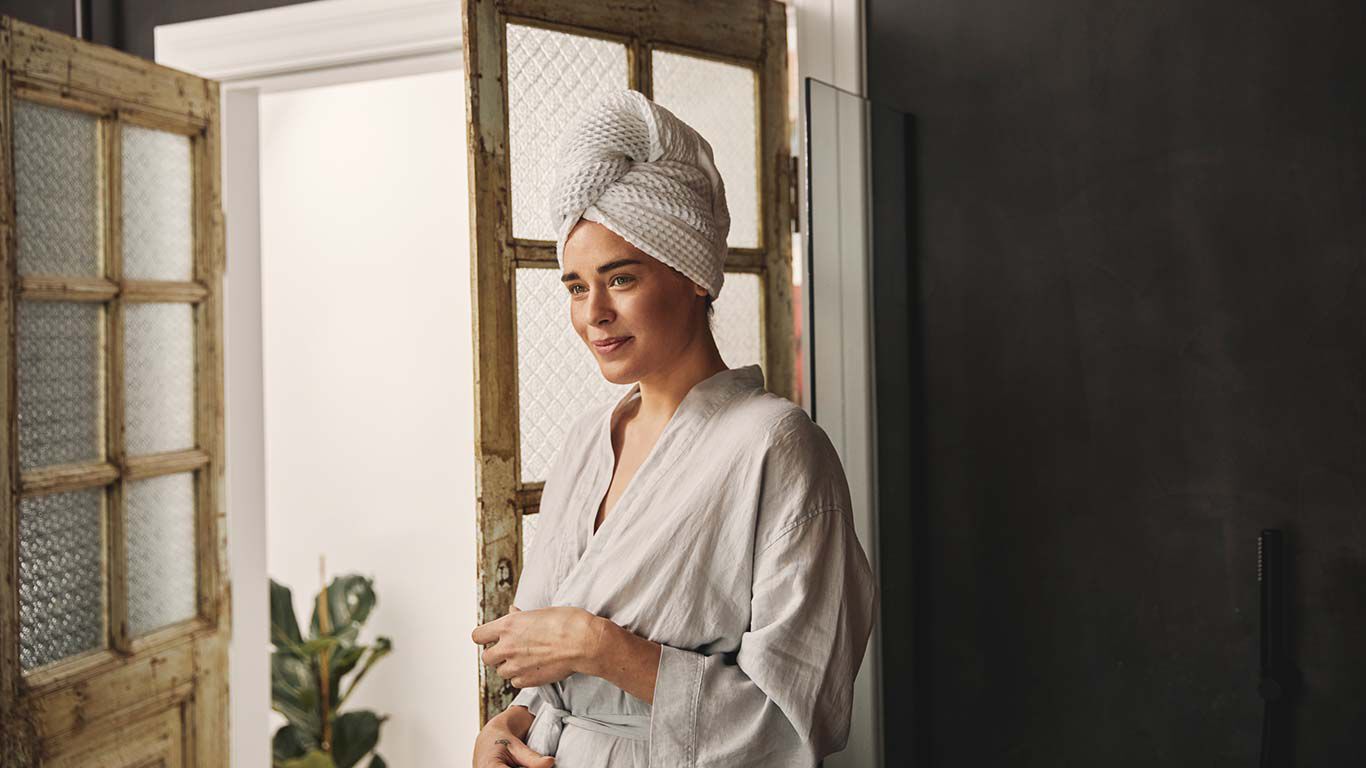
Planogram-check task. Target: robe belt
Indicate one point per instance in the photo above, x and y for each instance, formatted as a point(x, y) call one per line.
point(552, 717)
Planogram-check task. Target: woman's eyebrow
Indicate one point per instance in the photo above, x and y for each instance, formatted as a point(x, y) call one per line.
point(608, 267)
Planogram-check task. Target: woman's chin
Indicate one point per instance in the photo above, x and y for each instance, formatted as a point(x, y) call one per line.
point(618, 371)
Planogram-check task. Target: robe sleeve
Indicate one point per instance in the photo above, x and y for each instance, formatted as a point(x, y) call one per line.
point(534, 587)
point(529, 698)
point(532, 592)
point(784, 697)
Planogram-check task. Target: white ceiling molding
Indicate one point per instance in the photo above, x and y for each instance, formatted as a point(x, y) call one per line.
point(310, 36)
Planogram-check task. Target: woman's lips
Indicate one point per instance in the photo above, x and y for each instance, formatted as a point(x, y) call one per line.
point(609, 348)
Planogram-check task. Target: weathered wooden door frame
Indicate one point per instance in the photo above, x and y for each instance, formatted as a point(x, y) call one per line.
point(751, 33)
point(122, 690)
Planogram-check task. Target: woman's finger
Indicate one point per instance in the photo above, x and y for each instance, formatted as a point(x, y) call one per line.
point(495, 655)
point(497, 755)
point(499, 759)
point(527, 756)
point(487, 633)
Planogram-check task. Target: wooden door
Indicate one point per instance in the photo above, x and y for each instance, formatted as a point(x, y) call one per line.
point(530, 66)
point(114, 617)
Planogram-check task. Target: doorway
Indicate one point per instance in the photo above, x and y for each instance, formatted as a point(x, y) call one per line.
point(348, 372)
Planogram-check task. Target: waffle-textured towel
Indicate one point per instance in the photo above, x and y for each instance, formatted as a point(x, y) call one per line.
point(634, 167)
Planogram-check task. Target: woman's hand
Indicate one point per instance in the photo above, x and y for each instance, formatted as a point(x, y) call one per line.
point(500, 744)
point(542, 646)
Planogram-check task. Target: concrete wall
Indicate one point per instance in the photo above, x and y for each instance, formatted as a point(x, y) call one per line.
point(1134, 263)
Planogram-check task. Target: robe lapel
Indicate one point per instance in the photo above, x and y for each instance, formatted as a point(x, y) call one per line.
point(698, 406)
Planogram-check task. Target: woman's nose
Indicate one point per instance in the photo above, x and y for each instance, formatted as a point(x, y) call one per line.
point(600, 307)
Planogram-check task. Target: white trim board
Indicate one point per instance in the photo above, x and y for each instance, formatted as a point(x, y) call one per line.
point(309, 36)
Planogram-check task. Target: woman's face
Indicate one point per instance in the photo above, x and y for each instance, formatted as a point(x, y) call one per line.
point(636, 314)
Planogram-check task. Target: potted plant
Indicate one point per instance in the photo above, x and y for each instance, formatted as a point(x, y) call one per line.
point(309, 677)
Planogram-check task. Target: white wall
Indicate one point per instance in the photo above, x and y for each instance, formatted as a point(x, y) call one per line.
point(367, 364)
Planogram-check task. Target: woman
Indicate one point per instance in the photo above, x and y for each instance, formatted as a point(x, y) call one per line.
point(696, 595)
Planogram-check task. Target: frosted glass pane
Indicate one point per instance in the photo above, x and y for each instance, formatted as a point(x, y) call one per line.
point(721, 101)
point(557, 376)
point(552, 76)
point(528, 534)
point(158, 341)
point(158, 231)
point(61, 579)
point(61, 380)
point(57, 190)
point(161, 551)
point(737, 322)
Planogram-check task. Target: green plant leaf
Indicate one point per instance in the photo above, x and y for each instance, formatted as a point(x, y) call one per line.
point(294, 692)
point(314, 759)
point(311, 648)
point(341, 663)
point(284, 628)
point(378, 762)
point(291, 742)
point(350, 598)
point(354, 735)
point(382, 647)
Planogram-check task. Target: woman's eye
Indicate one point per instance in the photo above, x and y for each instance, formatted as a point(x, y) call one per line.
point(627, 278)
point(573, 289)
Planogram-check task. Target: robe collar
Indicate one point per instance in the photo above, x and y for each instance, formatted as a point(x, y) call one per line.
point(701, 402)
point(706, 395)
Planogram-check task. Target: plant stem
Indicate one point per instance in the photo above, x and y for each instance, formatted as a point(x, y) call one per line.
point(325, 627)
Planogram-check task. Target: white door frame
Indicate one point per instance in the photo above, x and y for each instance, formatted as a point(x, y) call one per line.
point(329, 42)
point(280, 49)
point(830, 48)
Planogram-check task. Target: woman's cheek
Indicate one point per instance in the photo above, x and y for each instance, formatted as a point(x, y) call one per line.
point(576, 320)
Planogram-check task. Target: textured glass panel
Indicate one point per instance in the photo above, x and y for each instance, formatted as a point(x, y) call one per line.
point(60, 382)
point(551, 77)
point(738, 323)
point(557, 376)
point(157, 193)
point(528, 534)
point(721, 101)
point(57, 189)
point(61, 579)
point(158, 341)
point(161, 553)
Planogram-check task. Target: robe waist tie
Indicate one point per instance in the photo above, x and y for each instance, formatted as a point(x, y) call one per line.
point(552, 717)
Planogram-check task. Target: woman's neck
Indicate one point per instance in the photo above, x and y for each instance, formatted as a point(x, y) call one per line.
point(663, 391)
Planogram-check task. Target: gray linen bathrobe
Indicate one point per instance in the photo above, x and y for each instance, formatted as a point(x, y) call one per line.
point(733, 547)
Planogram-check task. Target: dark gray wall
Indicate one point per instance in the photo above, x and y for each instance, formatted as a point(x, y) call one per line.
point(128, 24)
point(1134, 270)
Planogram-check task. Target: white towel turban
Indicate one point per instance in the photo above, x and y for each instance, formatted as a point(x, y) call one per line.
point(634, 167)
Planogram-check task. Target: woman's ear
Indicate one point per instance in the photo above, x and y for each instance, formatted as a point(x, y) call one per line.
point(699, 290)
